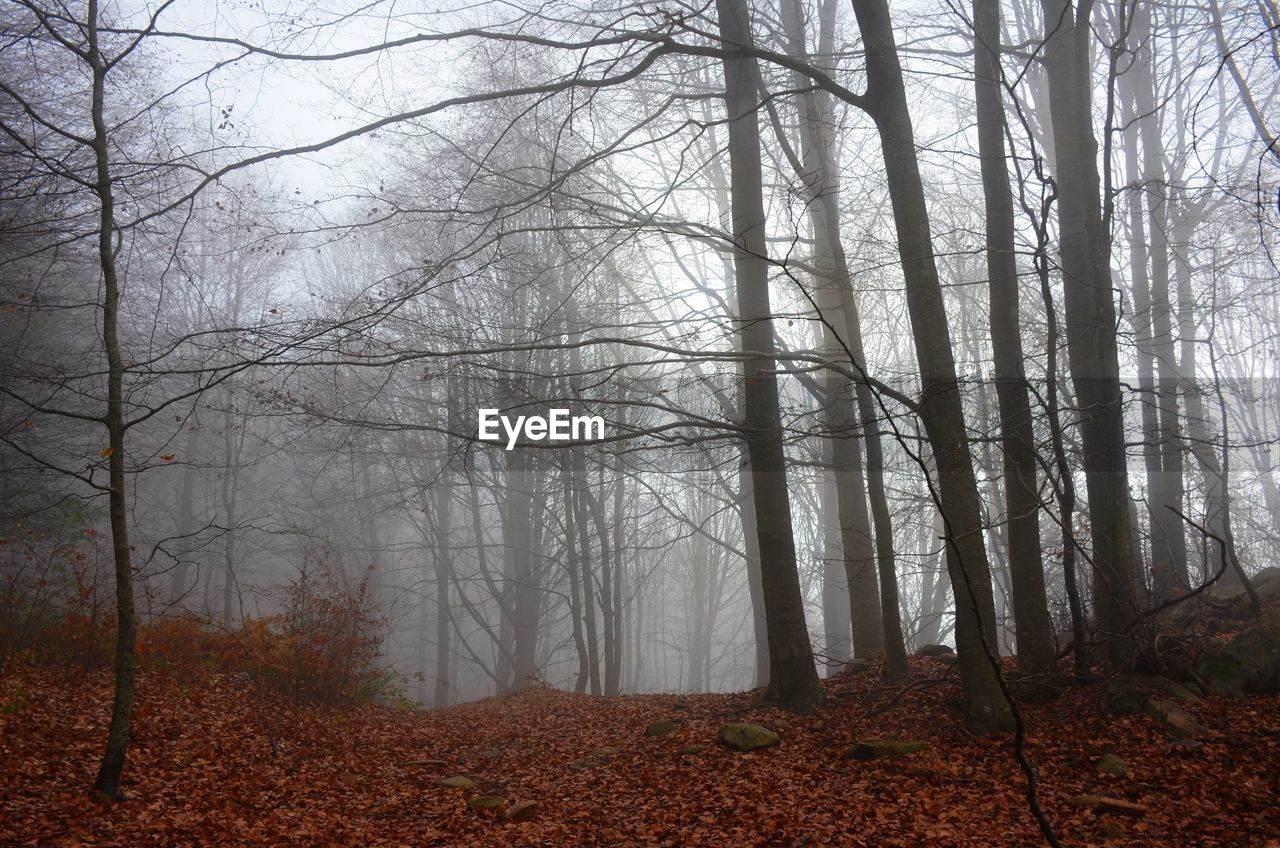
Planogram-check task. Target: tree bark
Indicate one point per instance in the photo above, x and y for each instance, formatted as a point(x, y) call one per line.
point(1034, 630)
point(107, 783)
point(940, 407)
point(1091, 324)
point(793, 679)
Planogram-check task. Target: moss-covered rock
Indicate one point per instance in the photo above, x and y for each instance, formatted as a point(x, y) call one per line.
point(1223, 672)
point(742, 736)
point(935, 651)
point(1258, 647)
point(1111, 765)
point(1176, 723)
point(1129, 693)
point(456, 782)
point(661, 727)
point(486, 802)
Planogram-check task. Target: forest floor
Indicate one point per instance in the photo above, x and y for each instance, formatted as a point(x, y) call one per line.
point(216, 763)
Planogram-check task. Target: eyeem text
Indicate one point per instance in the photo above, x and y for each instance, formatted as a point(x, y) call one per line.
point(557, 426)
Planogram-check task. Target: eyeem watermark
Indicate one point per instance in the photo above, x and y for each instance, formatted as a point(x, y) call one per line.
point(557, 426)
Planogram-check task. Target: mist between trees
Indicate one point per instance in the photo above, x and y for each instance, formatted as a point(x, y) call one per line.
point(956, 324)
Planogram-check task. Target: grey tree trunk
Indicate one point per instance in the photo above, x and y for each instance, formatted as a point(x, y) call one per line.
point(940, 407)
point(836, 623)
point(746, 508)
point(444, 527)
point(1091, 325)
point(181, 576)
point(1168, 537)
point(842, 330)
point(1036, 649)
point(107, 783)
point(525, 592)
point(793, 679)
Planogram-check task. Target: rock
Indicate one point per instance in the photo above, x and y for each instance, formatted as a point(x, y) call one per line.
point(1129, 693)
point(486, 802)
point(595, 757)
point(1085, 800)
point(1258, 647)
point(1110, 829)
point(935, 651)
point(855, 666)
point(1124, 808)
point(456, 782)
point(1267, 583)
point(680, 704)
point(1111, 765)
point(661, 727)
point(876, 749)
point(1176, 723)
point(1223, 672)
point(782, 724)
point(742, 736)
point(521, 811)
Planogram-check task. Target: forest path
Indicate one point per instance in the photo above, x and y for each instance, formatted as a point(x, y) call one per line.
point(202, 772)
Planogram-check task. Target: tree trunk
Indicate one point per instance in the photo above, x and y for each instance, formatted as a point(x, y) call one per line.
point(107, 783)
point(836, 623)
point(1036, 650)
point(940, 406)
point(793, 680)
point(1091, 326)
point(840, 316)
point(181, 575)
point(444, 526)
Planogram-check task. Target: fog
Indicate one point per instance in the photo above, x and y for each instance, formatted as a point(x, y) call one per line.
point(264, 266)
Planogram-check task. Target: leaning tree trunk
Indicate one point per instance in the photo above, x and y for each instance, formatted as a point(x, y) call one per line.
point(940, 407)
point(1036, 650)
point(1085, 250)
point(793, 679)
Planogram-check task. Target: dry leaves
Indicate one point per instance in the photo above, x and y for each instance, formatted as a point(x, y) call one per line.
point(202, 771)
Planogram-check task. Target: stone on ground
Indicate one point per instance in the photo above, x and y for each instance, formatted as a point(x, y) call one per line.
point(742, 736)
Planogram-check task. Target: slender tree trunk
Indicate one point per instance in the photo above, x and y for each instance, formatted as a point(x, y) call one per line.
point(1168, 542)
point(444, 527)
point(745, 504)
point(229, 497)
point(107, 783)
point(1066, 489)
point(181, 575)
point(1202, 439)
point(588, 584)
point(519, 538)
point(613, 662)
point(941, 411)
point(746, 507)
point(836, 623)
point(793, 680)
point(840, 314)
point(1036, 650)
point(1091, 324)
